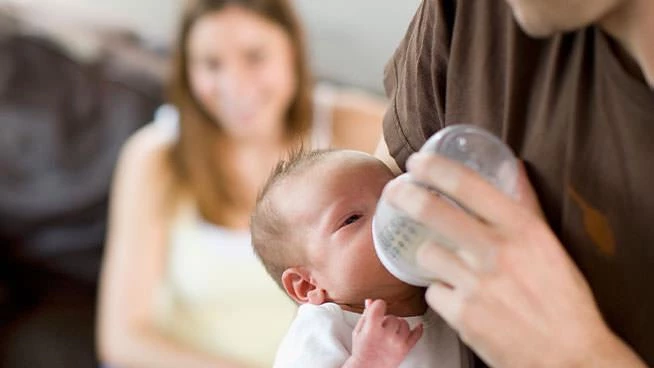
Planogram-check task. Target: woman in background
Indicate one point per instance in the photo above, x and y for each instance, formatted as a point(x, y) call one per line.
point(180, 285)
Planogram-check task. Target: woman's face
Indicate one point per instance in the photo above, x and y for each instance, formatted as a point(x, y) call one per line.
point(242, 71)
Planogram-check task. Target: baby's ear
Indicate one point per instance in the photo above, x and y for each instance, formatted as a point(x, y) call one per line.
point(301, 288)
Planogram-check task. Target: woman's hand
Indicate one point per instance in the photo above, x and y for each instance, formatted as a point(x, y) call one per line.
point(381, 340)
point(509, 288)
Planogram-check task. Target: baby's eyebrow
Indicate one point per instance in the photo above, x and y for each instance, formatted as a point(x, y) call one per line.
point(330, 215)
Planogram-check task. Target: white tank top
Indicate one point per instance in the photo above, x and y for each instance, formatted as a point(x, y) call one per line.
point(217, 296)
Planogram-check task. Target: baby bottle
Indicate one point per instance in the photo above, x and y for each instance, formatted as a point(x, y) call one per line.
point(397, 237)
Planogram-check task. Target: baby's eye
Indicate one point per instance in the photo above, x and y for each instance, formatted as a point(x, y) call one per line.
point(350, 220)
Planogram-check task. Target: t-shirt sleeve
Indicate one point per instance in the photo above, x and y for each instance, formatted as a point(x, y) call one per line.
point(415, 80)
point(316, 338)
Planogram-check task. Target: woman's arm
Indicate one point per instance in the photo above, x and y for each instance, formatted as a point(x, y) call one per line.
point(357, 120)
point(134, 262)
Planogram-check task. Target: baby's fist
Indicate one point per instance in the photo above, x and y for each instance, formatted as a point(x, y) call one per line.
point(381, 340)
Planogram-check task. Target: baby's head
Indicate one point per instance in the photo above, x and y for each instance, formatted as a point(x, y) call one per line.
point(312, 229)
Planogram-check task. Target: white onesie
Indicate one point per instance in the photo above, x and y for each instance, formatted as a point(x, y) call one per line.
point(320, 336)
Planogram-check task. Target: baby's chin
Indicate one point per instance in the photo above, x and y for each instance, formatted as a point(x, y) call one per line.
point(400, 290)
point(410, 301)
point(401, 284)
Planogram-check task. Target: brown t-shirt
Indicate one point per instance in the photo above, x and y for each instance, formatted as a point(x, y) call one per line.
point(568, 107)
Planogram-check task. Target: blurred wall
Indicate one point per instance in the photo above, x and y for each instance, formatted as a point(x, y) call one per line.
point(350, 41)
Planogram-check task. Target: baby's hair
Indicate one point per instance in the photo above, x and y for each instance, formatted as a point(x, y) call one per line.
point(272, 237)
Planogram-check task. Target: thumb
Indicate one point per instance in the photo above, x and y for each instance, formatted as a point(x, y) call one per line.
point(415, 335)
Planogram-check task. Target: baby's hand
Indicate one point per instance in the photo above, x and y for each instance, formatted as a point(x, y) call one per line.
point(382, 341)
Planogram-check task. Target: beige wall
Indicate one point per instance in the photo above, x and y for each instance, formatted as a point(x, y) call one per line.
point(349, 40)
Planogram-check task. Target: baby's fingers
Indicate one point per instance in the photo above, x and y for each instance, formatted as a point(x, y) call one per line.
point(391, 324)
point(375, 311)
point(403, 330)
point(372, 315)
point(414, 336)
point(362, 320)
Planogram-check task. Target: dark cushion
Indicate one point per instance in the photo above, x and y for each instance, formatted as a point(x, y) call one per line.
point(62, 124)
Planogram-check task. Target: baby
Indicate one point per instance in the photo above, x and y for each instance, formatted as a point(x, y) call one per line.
point(312, 230)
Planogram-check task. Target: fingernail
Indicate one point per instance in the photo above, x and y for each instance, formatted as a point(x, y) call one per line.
point(367, 303)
